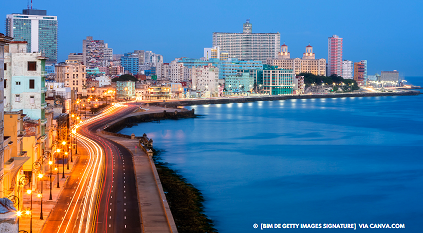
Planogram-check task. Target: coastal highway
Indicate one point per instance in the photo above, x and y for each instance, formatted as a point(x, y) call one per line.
point(100, 194)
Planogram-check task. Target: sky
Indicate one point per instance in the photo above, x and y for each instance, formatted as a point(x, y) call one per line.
point(386, 33)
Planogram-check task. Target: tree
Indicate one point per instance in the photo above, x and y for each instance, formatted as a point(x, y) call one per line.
point(125, 77)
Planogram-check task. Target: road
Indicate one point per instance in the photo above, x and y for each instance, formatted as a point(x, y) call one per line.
point(101, 194)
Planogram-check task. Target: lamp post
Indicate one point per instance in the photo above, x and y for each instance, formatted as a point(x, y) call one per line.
point(50, 163)
point(40, 195)
point(35, 167)
point(63, 159)
point(15, 201)
point(57, 169)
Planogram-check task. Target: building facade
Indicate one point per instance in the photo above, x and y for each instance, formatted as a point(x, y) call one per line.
point(360, 72)
point(125, 89)
point(205, 79)
point(247, 45)
point(277, 81)
point(130, 62)
point(242, 82)
point(347, 69)
point(73, 74)
point(335, 45)
point(25, 81)
point(226, 67)
point(4, 40)
point(94, 52)
point(38, 29)
point(76, 57)
point(308, 64)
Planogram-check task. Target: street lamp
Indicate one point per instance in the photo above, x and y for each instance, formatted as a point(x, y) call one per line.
point(50, 163)
point(40, 195)
point(15, 201)
point(56, 169)
point(63, 159)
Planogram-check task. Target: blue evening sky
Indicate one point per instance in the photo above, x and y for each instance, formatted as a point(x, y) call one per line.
point(387, 33)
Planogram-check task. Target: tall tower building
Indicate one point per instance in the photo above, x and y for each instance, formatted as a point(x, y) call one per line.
point(36, 28)
point(248, 46)
point(335, 55)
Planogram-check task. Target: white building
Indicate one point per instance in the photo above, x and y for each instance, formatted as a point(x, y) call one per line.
point(347, 69)
point(163, 70)
point(248, 46)
point(205, 79)
point(54, 88)
point(178, 72)
point(104, 80)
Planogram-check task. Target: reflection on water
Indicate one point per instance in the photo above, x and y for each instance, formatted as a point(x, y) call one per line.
point(329, 161)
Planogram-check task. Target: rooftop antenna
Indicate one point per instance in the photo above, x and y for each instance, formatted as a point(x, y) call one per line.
point(31, 4)
point(27, 5)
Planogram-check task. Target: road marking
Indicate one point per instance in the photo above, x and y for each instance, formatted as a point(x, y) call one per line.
point(124, 210)
point(124, 203)
point(110, 217)
point(125, 225)
point(110, 203)
point(124, 197)
point(110, 225)
point(124, 217)
point(110, 210)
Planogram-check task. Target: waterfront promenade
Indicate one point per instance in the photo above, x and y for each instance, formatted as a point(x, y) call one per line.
point(245, 99)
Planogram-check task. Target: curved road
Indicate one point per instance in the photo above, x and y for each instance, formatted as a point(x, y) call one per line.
point(100, 194)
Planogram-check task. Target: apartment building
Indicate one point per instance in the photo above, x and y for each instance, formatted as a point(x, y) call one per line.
point(73, 74)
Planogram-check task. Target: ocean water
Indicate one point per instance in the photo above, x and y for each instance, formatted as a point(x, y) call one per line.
point(344, 160)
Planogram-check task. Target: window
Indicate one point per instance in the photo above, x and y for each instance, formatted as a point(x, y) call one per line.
point(18, 83)
point(31, 84)
point(32, 66)
point(5, 66)
point(5, 83)
point(17, 98)
point(31, 99)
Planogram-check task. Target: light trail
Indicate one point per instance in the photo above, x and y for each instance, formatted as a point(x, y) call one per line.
point(88, 186)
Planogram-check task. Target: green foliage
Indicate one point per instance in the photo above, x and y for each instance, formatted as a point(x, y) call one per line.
point(125, 77)
point(349, 84)
point(185, 201)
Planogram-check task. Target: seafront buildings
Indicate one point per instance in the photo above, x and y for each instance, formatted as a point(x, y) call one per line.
point(347, 69)
point(335, 55)
point(205, 79)
point(277, 81)
point(247, 46)
point(360, 72)
point(308, 64)
point(38, 29)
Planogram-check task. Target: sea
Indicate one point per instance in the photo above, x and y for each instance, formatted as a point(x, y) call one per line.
point(328, 162)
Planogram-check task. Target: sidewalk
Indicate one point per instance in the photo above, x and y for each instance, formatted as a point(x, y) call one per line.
point(48, 205)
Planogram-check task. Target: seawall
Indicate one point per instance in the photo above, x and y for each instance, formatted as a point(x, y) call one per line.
point(145, 117)
point(274, 98)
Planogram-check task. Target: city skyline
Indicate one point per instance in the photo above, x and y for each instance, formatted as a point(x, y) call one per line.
point(370, 30)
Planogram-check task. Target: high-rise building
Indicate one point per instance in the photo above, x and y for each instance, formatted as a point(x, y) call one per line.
point(38, 29)
point(359, 68)
point(347, 69)
point(335, 55)
point(389, 78)
point(95, 53)
point(130, 62)
point(247, 45)
point(308, 64)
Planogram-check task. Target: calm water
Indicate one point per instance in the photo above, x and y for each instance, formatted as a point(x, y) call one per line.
point(347, 160)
